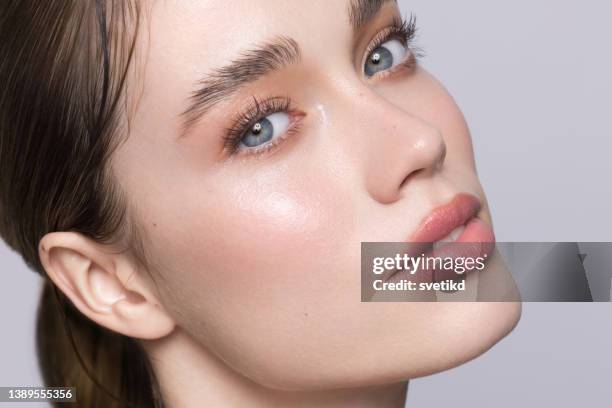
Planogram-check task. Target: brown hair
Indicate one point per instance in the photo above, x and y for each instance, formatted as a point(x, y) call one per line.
point(63, 70)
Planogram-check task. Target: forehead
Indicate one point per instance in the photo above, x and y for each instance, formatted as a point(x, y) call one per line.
point(212, 31)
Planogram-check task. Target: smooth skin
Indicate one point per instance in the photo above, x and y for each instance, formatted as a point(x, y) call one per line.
point(254, 297)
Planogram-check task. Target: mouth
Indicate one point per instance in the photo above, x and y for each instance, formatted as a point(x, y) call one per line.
point(452, 230)
point(456, 221)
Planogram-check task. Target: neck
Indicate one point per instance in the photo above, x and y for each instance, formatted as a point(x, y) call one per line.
point(190, 376)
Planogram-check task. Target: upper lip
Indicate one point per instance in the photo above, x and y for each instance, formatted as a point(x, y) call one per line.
point(444, 219)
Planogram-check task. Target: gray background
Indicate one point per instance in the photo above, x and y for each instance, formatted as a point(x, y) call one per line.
point(533, 79)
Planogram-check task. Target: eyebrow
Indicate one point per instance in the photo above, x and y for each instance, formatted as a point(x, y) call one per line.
point(361, 12)
point(248, 67)
point(258, 62)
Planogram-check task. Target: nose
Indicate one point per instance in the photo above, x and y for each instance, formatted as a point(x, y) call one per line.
point(395, 147)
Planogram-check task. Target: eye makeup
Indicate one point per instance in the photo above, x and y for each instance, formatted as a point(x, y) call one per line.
point(248, 124)
point(402, 30)
point(251, 120)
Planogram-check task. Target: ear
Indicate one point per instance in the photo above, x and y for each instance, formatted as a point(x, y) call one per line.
point(106, 287)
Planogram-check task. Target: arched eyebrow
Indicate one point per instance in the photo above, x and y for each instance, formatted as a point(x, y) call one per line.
point(248, 67)
point(258, 62)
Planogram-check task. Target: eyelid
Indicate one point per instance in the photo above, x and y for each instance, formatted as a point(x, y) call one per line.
point(383, 36)
point(256, 111)
point(268, 148)
point(402, 29)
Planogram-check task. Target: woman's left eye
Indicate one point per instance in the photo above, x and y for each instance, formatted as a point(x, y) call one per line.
point(266, 130)
point(385, 57)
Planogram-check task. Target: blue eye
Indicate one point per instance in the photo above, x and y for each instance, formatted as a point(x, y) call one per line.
point(266, 129)
point(385, 57)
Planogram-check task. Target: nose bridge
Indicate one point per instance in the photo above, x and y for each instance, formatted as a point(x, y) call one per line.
point(393, 145)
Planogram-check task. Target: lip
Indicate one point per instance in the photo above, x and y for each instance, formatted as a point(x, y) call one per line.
point(444, 219)
point(476, 240)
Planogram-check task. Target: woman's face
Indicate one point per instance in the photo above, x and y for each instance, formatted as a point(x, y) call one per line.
point(314, 132)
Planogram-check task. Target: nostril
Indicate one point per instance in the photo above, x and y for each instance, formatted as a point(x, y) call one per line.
point(409, 177)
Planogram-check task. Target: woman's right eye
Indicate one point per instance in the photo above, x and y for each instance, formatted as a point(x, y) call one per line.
point(265, 130)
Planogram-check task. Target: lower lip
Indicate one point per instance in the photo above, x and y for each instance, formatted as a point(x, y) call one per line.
point(477, 240)
point(477, 230)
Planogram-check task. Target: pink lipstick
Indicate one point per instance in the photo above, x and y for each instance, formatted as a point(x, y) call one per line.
point(454, 222)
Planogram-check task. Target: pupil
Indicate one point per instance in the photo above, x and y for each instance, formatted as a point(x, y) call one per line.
point(376, 58)
point(257, 128)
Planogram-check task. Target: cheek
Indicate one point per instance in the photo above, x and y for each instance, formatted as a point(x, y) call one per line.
point(258, 257)
point(265, 225)
point(239, 236)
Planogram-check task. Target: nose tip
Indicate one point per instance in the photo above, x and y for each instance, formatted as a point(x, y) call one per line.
point(433, 150)
point(439, 155)
point(417, 151)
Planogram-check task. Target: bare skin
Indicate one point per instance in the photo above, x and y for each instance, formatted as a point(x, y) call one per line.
point(254, 297)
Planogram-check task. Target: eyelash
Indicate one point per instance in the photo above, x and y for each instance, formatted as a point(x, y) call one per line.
point(254, 113)
point(401, 29)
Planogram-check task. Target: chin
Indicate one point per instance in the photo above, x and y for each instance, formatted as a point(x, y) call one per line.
point(469, 330)
point(455, 333)
point(445, 336)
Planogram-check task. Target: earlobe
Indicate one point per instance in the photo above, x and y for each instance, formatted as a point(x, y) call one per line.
point(96, 280)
